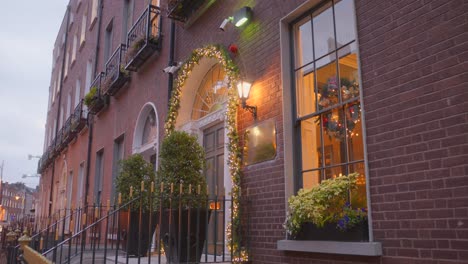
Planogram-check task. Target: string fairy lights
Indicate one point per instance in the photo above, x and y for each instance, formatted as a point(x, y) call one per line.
point(218, 52)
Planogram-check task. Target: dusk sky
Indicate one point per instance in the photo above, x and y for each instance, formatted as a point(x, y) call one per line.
point(27, 35)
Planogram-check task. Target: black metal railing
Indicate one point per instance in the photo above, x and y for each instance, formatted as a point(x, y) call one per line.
point(143, 39)
point(58, 141)
point(78, 118)
point(98, 101)
point(74, 124)
point(181, 10)
point(47, 237)
point(181, 228)
point(67, 132)
point(115, 75)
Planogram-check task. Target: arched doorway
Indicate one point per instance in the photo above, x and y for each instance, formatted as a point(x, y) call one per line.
point(179, 116)
point(203, 111)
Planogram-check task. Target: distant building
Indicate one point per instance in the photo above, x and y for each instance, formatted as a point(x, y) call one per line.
point(17, 201)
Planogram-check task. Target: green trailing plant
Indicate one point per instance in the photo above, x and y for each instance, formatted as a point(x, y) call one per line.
point(90, 96)
point(133, 171)
point(182, 161)
point(324, 203)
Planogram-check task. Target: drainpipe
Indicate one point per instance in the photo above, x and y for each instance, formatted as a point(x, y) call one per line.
point(90, 119)
point(59, 104)
point(170, 82)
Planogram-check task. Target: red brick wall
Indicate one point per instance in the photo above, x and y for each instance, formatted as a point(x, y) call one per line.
point(415, 75)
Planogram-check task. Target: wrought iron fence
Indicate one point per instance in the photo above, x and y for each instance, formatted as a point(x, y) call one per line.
point(159, 228)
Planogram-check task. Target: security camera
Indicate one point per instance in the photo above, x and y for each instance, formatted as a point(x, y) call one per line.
point(172, 69)
point(225, 22)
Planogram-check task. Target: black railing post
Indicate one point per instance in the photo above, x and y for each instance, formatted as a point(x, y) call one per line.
point(179, 230)
point(128, 225)
point(158, 237)
point(107, 231)
point(189, 220)
point(150, 222)
point(119, 202)
point(139, 221)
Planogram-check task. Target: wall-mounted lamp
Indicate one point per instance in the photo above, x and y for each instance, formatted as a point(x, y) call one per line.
point(241, 17)
point(243, 88)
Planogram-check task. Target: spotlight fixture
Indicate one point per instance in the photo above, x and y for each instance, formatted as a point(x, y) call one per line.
point(241, 17)
point(243, 88)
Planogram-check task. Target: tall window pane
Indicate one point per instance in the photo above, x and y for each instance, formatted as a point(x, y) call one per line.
point(327, 96)
point(303, 42)
point(324, 40)
point(345, 23)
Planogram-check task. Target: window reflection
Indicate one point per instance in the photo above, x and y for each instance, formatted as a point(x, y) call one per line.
point(303, 43)
point(344, 21)
point(324, 41)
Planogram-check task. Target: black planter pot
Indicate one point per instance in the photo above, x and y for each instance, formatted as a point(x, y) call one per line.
point(329, 232)
point(144, 242)
point(191, 244)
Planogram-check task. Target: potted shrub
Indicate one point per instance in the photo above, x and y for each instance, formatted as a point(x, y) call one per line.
point(133, 171)
point(182, 161)
point(91, 96)
point(323, 213)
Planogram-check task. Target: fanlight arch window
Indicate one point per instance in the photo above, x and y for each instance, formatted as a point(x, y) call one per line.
point(211, 94)
point(149, 129)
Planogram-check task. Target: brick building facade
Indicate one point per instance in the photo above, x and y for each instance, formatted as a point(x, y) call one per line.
point(408, 58)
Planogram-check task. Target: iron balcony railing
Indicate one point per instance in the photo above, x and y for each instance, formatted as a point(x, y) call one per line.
point(58, 142)
point(67, 132)
point(78, 118)
point(143, 39)
point(98, 100)
point(181, 10)
point(177, 228)
point(115, 75)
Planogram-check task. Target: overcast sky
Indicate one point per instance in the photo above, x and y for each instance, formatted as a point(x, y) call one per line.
point(27, 34)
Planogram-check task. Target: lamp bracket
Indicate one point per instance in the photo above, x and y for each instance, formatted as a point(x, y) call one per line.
point(250, 108)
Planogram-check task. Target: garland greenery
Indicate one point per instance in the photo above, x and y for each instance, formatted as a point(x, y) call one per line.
point(219, 53)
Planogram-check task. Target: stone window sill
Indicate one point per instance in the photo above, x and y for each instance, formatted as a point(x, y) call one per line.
point(332, 247)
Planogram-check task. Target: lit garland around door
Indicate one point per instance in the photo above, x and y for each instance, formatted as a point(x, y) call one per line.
point(219, 53)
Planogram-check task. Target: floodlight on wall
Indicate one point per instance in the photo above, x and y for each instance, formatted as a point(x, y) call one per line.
point(243, 88)
point(239, 19)
point(242, 16)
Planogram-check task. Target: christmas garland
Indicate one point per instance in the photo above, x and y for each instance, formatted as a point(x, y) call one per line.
point(234, 156)
point(332, 124)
